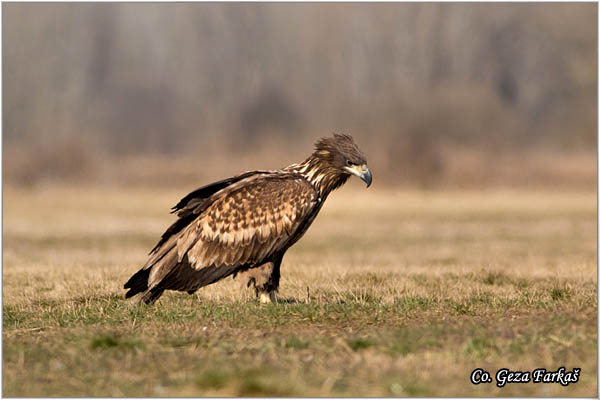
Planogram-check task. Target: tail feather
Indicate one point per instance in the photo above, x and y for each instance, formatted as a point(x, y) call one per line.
point(173, 275)
point(137, 283)
point(150, 296)
point(184, 277)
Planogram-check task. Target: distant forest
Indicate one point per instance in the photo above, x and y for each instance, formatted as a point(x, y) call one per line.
point(194, 79)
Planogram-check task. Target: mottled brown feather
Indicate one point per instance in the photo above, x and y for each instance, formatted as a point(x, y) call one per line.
point(232, 244)
point(241, 224)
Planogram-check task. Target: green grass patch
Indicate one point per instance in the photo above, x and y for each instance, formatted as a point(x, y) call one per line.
point(116, 342)
point(495, 278)
point(360, 343)
point(212, 379)
point(560, 293)
point(480, 347)
point(408, 340)
point(296, 343)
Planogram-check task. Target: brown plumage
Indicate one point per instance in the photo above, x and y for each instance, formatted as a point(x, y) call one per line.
point(246, 222)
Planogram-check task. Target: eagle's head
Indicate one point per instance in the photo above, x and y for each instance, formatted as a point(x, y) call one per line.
point(341, 153)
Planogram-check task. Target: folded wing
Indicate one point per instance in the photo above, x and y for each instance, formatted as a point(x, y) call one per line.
point(241, 225)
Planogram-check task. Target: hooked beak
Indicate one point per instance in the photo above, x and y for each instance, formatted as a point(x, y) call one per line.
point(362, 171)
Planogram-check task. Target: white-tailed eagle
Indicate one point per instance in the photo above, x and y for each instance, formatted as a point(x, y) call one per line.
point(246, 222)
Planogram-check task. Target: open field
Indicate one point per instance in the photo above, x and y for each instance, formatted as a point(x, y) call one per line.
point(409, 292)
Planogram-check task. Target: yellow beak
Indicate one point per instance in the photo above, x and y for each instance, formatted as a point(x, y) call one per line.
point(362, 171)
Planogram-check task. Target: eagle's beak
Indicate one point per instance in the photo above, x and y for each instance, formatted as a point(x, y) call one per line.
point(362, 171)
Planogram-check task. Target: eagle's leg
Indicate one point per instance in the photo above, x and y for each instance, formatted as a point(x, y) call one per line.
point(265, 280)
point(267, 298)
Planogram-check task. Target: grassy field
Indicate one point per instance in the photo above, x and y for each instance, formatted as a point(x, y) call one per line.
point(409, 292)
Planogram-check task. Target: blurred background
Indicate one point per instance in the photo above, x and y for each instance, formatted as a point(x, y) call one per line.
point(437, 95)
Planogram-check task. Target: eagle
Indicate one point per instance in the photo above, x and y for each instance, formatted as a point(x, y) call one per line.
point(246, 223)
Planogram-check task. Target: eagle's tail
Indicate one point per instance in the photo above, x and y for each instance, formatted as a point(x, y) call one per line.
point(137, 283)
point(172, 274)
point(165, 256)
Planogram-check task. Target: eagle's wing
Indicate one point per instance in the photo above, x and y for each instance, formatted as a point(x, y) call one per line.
point(190, 206)
point(242, 224)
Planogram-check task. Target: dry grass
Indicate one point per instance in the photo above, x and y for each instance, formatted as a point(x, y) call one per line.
point(410, 291)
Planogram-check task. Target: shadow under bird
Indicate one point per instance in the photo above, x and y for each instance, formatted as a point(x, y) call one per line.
point(246, 222)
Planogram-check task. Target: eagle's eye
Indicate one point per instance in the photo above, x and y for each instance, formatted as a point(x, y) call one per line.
point(349, 163)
